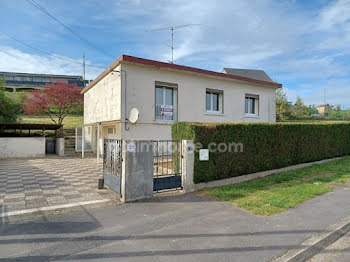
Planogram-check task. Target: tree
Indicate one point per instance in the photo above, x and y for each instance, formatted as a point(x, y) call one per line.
point(282, 107)
point(55, 100)
point(9, 110)
point(300, 110)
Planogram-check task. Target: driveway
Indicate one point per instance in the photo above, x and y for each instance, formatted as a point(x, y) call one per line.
point(180, 228)
point(49, 182)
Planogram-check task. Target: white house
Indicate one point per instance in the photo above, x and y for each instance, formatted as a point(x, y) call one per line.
point(165, 93)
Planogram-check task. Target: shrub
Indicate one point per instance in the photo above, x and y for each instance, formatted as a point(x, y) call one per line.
point(9, 110)
point(265, 146)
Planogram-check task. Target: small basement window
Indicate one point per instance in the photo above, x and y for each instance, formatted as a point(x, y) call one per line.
point(111, 130)
point(252, 105)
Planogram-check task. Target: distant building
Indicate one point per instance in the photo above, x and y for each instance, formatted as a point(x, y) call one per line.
point(314, 112)
point(323, 110)
point(25, 81)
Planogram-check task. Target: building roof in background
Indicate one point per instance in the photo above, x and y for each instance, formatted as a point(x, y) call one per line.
point(249, 73)
point(132, 59)
point(40, 75)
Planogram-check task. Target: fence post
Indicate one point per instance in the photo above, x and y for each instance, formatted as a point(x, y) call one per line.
point(187, 165)
point(98, 143)
point(82, 141)
point(76, 139)
point(124, 172)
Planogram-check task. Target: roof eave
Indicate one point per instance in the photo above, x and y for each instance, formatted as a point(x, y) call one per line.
point(176, 67)
point(109, 69)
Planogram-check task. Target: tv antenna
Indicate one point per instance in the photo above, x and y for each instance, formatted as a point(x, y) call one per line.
point(172, 29)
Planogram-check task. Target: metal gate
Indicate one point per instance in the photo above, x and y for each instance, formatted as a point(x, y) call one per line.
point(167, 165)
point(112, 164)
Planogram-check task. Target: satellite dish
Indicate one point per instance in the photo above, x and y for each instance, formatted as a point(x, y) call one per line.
point(134, 115)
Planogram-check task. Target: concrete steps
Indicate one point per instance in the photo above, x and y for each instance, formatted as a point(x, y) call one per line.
point(69, 142)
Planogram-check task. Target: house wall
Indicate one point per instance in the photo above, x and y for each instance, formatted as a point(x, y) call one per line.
point(103, 101)
point(191, 95)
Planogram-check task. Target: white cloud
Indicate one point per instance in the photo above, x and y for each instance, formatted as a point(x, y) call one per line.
point(305, 46)
point(314, 67)
point(333, 22)
point(240, 33)
point(13, 60)
point(335, 16)
point(334, 96)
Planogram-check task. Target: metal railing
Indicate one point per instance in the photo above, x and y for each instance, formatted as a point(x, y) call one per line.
point(112, 157)
point(167, 159)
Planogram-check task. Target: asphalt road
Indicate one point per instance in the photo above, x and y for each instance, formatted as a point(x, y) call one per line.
point(179, 228)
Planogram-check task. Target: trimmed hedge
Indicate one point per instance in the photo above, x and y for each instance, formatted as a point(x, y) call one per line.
point(265, 146)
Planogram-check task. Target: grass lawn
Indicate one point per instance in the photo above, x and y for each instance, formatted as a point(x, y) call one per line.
point(70, 121)
point(276, 193)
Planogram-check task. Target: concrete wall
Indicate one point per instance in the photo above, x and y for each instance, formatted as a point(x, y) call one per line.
point(191, 94)
point(22, 147)
point(60, 146)
point(103, 101)
point(137, 174)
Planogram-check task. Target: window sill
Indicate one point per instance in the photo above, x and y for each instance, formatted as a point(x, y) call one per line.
point(214, 114)
point(251, 116)
point(164, 122)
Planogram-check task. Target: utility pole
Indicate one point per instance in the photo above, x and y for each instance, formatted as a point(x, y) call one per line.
point(84, 67)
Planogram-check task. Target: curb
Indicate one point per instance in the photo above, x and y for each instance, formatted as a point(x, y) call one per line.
point(50, 208)
point(316, 243)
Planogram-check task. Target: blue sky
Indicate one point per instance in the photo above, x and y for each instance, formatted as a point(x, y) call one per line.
point(305, 45)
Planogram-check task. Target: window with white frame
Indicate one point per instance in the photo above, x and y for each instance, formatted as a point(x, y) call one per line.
point(252, 105)
point(165, 106)
point(213, 101)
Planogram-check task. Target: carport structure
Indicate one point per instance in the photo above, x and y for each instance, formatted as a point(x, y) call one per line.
point(18, 129)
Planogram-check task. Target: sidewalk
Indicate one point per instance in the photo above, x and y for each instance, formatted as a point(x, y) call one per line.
point(179, 228)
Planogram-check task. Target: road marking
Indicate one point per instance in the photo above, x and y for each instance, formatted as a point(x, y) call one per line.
point(49, 208)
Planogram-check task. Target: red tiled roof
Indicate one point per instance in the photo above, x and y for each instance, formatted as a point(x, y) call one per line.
point(159, 64)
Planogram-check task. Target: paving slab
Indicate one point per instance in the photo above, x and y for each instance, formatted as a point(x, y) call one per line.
point(35, 183)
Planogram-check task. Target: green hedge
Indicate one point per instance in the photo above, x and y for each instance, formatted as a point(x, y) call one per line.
point(265, 146)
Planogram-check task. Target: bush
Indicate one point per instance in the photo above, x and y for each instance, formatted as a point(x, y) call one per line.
point(9, 110)
point(265, 146)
